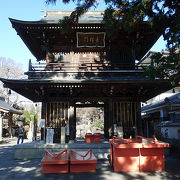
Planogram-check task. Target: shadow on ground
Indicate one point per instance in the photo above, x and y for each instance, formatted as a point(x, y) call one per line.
point(11, 169)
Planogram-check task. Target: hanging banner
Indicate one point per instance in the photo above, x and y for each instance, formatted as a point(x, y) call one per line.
point(90, 39)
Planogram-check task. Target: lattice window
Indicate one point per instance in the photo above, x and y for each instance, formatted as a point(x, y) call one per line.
point(56, 114)
point(125, 114)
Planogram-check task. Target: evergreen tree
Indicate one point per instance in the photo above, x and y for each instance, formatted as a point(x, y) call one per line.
point(161, 15)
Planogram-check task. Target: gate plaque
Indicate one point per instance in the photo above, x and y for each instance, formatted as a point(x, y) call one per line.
point(90, 39)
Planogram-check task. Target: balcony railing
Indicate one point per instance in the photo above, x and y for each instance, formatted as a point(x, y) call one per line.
point(84, 66)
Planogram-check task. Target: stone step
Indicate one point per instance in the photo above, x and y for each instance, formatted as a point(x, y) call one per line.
point(37, 149)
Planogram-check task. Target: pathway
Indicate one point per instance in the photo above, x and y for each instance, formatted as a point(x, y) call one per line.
point(11, 169)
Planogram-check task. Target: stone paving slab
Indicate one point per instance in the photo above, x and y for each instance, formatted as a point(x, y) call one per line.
point(11, 169)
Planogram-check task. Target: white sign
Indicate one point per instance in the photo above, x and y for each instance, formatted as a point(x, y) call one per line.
point(67, 129)
point(115, 129)
point(63, 135)
point(49, 136)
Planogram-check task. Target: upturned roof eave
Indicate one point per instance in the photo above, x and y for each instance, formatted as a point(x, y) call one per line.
point(7, 108)
point(23, 26)
point(48, 22)
point(123, 80)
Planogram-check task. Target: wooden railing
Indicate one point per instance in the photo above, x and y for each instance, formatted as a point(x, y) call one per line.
point(84, 66)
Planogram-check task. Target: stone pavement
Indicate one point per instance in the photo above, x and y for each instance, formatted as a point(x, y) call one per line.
point(11, 169)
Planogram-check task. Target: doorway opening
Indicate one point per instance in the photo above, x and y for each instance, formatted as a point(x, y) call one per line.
point(89, 120)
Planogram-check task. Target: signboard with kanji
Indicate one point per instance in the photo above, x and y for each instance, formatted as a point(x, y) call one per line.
point(90, 39)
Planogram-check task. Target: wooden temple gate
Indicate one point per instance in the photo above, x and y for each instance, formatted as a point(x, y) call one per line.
point(84, 63)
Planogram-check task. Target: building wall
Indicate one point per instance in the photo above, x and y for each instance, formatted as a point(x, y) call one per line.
point(170, 132)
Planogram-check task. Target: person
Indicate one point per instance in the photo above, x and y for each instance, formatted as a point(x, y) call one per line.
point(20, 134)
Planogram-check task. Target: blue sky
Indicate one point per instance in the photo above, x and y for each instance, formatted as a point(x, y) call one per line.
point(11, 45)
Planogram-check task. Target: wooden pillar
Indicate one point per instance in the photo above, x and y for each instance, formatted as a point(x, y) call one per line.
point(10, 124)
point(138, 119)
point(110, 118)
point(1, 124)
point(72, 121)
point(35, 129)
point(43, 116)
point(43, 110)
point(106, 134)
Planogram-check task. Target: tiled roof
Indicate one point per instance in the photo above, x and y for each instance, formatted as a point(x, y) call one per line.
point(89, 17)
point(168, 124)
point(4, 107)
point(175, 99)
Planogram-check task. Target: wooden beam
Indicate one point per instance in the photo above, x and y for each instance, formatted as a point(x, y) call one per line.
point(88, 105)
